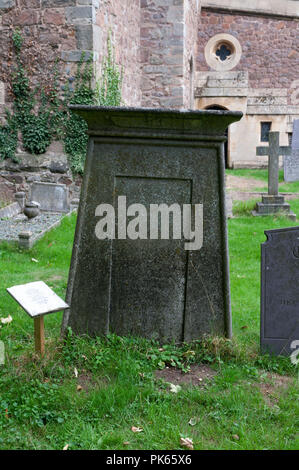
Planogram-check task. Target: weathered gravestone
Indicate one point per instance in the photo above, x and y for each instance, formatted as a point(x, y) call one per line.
point(279, 290)
point(150, 286)
point(273, 202)
point(52, 197)
point(291, 162)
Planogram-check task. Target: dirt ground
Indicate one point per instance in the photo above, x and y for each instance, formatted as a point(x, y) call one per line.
point(273, 387)
point(242, 189)
point(197, 376)
point(243, 184)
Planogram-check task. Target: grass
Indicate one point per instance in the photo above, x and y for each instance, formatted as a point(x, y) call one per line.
point(4, 203)
point(41, 406)
point(262, 175)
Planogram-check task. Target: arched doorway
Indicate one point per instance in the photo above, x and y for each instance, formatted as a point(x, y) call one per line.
point(226, 148)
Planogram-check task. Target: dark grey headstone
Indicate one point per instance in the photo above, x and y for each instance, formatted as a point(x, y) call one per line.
point(52, 197)
point(279, 290)
point(152, 288)
point(291, 162)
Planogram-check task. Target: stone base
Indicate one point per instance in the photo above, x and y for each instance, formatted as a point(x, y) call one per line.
point(267, 199)
point(273, 205)
point(271, 209)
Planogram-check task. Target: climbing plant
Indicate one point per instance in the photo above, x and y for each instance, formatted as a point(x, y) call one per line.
point(40, 114)
point(8, 139)
point(108, 88)
point(32, 108)
point(75, 140)
point(107, 92)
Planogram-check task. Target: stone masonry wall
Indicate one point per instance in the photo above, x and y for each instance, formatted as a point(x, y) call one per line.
point(51, 29)
point(122, 19)
point(189, 31)
point(269, 44)
point(62, 28)
point(162, 50)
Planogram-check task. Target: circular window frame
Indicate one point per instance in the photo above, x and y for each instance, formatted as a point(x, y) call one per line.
point(213, 45)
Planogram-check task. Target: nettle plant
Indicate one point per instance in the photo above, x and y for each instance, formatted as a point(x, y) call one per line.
point(41, 115)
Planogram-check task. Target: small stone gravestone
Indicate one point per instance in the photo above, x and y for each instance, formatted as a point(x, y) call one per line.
point(144, 284)
point(279, 290)
point(291, 162)
point(52, 197)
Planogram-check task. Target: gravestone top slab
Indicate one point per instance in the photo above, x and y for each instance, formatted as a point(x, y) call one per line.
point(36, 298)
point(279, 290)
point(291, 162)
point(148, 285)
point(128, 120)
point(52, 197)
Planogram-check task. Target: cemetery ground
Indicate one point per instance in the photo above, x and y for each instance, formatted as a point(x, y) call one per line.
point(105, 393)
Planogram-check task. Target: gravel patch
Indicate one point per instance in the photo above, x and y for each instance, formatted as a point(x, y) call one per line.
point(10, 228)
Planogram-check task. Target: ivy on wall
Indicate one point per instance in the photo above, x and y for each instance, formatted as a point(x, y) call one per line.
point(41, 114)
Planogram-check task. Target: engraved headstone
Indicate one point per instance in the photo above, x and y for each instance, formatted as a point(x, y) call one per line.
point(150, 286)
point(273, 202)
point(52, 197)
point(279, 291)
point(291, 162)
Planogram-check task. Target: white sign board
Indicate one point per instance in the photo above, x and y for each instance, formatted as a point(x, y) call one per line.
point(36, 298)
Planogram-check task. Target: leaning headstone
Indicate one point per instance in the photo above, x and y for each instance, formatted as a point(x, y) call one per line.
point(291, 162)
point(279, 291)
point(51, 197)
point(273, 202)
point(134, 279)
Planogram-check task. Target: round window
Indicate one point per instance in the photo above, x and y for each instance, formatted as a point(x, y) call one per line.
point(223, 52)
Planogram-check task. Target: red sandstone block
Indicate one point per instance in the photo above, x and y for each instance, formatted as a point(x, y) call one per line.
point(214, 20)
point(280, 25)
point(22, 17)
point(54, 16)
point(29, 3)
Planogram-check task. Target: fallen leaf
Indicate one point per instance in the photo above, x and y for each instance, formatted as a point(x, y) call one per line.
point(84, 357)
point(66, 447)
point(244, 327)
point(134, 429)
point(236, 437)
point(79, 388)
point(193, 421)
point(187, 442)
point(175, 388)
point(76, 372)
point(126, 443)
point(6, 320)
point(34, 260)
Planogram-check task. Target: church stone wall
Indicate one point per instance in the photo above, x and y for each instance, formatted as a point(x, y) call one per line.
point(122, 19)
point(269, 46)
